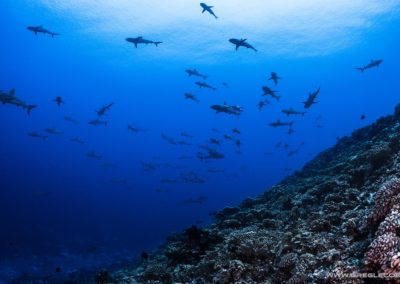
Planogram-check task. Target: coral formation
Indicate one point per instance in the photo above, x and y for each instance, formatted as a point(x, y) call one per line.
point(335, 221)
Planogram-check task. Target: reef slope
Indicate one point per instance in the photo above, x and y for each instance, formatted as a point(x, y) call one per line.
point(340, 214)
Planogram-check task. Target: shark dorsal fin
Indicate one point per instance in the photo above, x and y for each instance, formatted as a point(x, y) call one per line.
point(243, 39)
point(140, 37)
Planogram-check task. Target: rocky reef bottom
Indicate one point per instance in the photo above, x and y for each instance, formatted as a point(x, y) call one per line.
point(335, 221)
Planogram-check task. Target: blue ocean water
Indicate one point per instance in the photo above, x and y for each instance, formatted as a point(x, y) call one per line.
point(60, 208)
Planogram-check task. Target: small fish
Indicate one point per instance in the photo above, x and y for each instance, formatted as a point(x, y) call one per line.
point(148, 166)
point(192, 177)
point(94, 155)
point(291, 111)
point(279, 123)
point(136, 129)
point(70, 119)
point(191, 97)
point(228, 137)
point(170, 140)
point(235, 130)
point(77, 140)
point(184, 143)
point(196, 200)
point(54, 131)
point(214, 141)
point(37, 135)
point(185, 134)
point(211, 154)
point(261, 105)
point(97, 121)
point(108, 165)
point(102, 111)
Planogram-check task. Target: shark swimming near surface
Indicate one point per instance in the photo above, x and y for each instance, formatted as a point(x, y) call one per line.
point(41, 29)
point(208, 9)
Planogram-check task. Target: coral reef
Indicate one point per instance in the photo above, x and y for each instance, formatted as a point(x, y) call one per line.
point(335, 221)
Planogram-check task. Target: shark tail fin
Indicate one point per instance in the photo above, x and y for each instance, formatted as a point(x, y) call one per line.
point(361, 69)
point(291, 123)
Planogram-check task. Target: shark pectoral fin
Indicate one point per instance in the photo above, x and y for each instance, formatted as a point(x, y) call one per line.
point(203, 10)
point(135, 44)
point(237, 46)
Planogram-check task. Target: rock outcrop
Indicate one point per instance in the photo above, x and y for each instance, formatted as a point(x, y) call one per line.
point(335, 221)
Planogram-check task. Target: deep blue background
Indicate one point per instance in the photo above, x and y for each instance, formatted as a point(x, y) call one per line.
point(57, 203)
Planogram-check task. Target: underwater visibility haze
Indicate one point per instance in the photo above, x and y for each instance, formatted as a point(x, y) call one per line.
point(124, 122)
